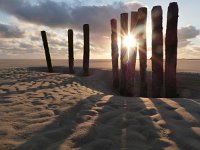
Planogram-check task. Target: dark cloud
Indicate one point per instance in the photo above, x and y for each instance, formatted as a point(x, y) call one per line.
point(59, 14)
point(185, 34)
point(188, 32)
point(8, 31)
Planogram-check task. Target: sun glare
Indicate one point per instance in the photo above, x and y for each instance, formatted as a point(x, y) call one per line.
point(129, 41)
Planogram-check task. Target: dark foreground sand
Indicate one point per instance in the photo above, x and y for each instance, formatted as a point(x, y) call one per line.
point(43, 111)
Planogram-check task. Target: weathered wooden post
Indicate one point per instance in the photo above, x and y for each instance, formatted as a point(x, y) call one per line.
point(124, 54)
point(115, 53)
point(86, 53)
point(46, 48)
point(171, 42)
point(142, 19)
point(157, 51)
point(132, 55)
point(70, 51)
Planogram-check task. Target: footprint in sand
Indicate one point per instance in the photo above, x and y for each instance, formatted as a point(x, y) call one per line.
point(169, 107)
point(2, 133)
point(2, 92)
point(177, 117)
point(149, 111)
point(5, 101)
point(38, 102)
point(89, 112)
point(54, 108)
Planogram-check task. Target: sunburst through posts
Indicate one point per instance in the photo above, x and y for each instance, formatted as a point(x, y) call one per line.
point(129, 41)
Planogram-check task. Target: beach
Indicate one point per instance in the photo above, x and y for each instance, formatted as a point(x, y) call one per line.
point(61, 111)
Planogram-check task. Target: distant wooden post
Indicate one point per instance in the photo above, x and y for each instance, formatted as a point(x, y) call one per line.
point(124, 54)
point(46, 48)
point(157, 51)
point(115, 54)
point(132, 55)
point(70, 51)
point(86, 53)
point(142, 19)
point(171, 42)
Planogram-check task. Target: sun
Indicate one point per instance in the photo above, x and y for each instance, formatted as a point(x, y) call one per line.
point(129, 41)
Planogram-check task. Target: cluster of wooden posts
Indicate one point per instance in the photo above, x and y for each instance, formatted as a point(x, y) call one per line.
point(125, 80)
point(86, 50)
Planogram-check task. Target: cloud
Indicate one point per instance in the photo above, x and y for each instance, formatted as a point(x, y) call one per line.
point(8, 31)
point(60, 14)
point(188, 32)
point(192, 52)
point(185, 34)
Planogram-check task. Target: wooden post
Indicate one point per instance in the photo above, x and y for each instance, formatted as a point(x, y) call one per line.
point(86, 53)
point(171, 42)
point(70, 51)
point(124, 54)
point(132, 55)
point(142, 19)
point(115, 54)
point(157, 51)
point(46, 48)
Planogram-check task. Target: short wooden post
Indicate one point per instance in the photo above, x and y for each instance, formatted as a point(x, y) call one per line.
point(46, 48)
point(171, 42)
point(142, 19)
point(132, 55)
point(70, 51)
point(157, 51)
point(124, 54)
point(115, 54)
point(86, 53)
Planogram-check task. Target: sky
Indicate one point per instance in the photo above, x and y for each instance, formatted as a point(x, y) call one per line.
point(22, 20)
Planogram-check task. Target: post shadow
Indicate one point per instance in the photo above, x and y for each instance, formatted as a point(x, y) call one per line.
point(61, 128)
point(123, 124)
point(172, 123)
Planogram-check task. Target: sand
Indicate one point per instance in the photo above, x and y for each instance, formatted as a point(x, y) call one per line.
point(59, 111)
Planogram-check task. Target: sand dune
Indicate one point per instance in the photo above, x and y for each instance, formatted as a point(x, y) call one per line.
point(42, 111)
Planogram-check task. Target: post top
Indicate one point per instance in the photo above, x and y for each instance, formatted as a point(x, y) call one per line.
point(70, 30)
point(124, 14)
point(113, 20)
point(142, 9)
point(157, 7)
point(173, 3)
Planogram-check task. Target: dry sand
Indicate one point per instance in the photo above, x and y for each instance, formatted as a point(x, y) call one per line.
point(40, 111)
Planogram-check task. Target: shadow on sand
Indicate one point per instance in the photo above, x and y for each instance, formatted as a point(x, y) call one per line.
point(106, 121)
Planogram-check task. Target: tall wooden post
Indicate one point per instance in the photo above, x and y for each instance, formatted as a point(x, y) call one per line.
point(171, 42)
point(142, 19)
point(86, 53)
point(124, 54)
point(115, 54)
point(46, 48)
point(157, 51)
point(70, 51)
point(132, 55)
